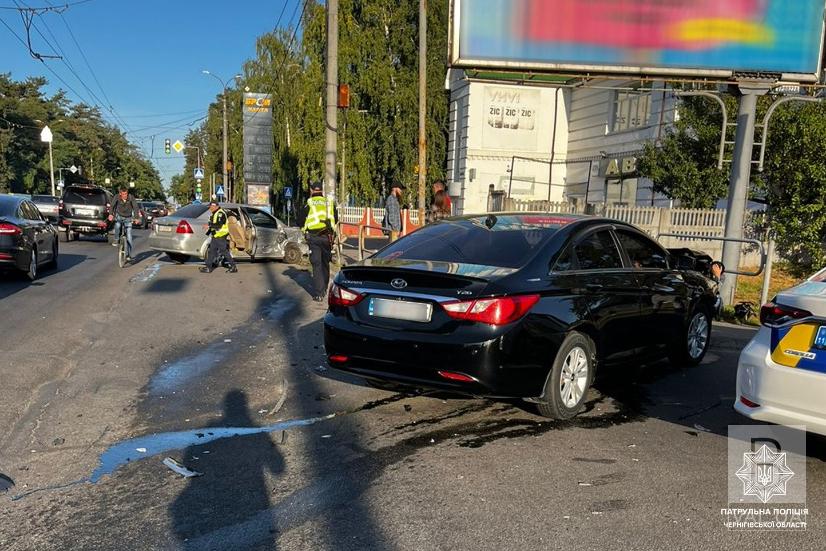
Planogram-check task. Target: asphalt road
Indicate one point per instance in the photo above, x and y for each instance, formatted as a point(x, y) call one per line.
point(106, 372)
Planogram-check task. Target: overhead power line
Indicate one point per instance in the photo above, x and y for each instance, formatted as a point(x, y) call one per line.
point(60, 8)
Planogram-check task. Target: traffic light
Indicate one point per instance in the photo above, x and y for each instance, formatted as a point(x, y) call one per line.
point(167, 146)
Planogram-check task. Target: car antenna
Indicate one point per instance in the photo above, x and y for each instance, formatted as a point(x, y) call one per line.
point(490, 221)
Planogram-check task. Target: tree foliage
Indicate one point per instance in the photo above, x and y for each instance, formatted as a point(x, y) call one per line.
point(683, 166)
point(378, 134)
point(81, 138)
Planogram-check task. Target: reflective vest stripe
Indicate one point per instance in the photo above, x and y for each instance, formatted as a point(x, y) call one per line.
point(321, 210)
point(223, 231)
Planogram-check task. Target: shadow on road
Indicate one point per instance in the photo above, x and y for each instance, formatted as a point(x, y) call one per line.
point(12, 281)
point(233, 486)
point(168, 285)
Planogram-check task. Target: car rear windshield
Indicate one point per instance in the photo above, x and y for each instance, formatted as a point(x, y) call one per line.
point(7, 208)
point(507, 241)
point(45, 199)
point(190, 211)
point(85, 196)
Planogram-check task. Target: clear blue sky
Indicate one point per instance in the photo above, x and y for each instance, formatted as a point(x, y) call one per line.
point(147, 54)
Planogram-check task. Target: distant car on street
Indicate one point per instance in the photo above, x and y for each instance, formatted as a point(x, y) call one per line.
point(516, 305)
point(152, 210)
point(27, 240)
point(781, 375)
point(48, 206)
point(254, 234)
point(85, 209)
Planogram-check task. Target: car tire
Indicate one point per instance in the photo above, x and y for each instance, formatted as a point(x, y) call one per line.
point(292, 255)
point(52, 264)
point(694, 340)
point(178, 258)
point(31, 272)
point(569, 379)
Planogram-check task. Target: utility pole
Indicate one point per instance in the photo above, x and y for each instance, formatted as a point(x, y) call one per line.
point(422, 107)
point(739, 182)
point(226, 172)
point(331, 133)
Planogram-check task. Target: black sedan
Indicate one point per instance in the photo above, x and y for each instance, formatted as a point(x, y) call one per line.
point(27, 240)
point(516, 306)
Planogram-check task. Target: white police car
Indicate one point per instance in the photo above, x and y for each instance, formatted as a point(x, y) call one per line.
point(781, 375)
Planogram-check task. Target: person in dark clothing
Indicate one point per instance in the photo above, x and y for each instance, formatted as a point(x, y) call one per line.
point(124, 210)
point(318, 223)
point(218, 228)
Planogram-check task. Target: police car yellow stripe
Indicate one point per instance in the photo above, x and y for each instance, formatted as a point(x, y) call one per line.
point(795, 345)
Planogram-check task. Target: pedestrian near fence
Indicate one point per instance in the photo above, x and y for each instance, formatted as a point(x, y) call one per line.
point(393, 211)
point(439, 208)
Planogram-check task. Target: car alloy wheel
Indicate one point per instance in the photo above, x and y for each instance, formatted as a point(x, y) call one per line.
point(32, 273)
point(697, 335)
point(574, 380)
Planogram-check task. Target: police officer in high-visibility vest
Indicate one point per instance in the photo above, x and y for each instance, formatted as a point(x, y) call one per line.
point(218, 228)
point(319, 227)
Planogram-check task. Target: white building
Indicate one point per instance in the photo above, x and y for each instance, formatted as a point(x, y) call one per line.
point(549, 138)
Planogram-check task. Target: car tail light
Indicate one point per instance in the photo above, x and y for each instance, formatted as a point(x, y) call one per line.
point(9, 229)
point(184, 227)
point(777, 314)
point(453, 376)
point(492, 311)
point(748, 403)
point(339, 296)
point(6, 256)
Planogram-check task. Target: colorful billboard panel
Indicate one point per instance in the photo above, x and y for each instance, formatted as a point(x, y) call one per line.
point(691, 37)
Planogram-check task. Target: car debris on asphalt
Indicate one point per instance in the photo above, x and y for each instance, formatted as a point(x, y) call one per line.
point(180, 469)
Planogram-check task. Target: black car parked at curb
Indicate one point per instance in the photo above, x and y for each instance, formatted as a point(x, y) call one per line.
point(27, 240)
point(522, 305)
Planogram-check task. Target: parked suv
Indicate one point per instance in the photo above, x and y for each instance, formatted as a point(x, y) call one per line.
point(85, 209)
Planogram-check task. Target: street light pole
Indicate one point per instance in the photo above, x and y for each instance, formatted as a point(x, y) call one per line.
point(226, 159)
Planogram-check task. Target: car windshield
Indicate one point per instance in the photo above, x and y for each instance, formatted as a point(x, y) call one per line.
point(44, 199)
point(507, 241)
point(190, 211)
point(85, 196)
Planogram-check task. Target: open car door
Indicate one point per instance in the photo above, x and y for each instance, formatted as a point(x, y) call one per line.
point(241, 234)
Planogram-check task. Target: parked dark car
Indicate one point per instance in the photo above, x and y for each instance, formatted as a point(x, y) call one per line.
point(48, 206)
point(516, 306)
point(27, 241)
point(85, 209)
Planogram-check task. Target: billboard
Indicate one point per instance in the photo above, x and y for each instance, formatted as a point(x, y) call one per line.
point(709, 38)
point(258, 144)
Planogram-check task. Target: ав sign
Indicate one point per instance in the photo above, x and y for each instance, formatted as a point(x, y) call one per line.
point(199, 173)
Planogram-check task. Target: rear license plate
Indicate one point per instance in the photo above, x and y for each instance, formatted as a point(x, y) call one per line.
point(396, 309)
point(164, 228)
point(85, 212)
point(820, 338)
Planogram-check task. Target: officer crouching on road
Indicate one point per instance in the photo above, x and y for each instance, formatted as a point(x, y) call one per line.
point(319, 227)
point(218, 228)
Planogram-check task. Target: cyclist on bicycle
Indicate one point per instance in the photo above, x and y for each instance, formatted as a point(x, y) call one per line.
point(124, 209)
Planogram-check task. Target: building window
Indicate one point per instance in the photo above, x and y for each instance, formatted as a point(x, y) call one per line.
point(631, 110)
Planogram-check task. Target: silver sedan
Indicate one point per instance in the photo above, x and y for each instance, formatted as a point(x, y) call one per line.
point(254, 234)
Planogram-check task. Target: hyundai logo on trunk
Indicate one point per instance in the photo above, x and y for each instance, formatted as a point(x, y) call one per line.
point(398, 283)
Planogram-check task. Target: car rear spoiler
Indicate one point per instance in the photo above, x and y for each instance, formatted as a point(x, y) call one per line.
point(753, 242)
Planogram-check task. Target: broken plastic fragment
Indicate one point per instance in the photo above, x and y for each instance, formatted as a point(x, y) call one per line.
point(140, 450)
point(180, 469)
point(701, 428)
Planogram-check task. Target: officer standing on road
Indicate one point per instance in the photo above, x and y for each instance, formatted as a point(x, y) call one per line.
point(218, 228)
point(319, 227)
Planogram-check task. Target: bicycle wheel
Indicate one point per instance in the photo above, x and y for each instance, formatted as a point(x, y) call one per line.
point(122, 253)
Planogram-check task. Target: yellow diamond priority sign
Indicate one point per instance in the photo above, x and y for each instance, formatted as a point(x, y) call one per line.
point(178, 146)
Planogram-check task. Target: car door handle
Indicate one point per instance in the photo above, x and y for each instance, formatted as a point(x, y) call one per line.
point(593, 287)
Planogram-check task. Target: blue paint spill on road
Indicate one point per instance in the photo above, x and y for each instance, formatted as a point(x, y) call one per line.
point(155, 444)
point(146, 274)
point(174, 375)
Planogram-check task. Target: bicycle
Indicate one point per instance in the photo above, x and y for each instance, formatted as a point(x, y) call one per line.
point(122, 245)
